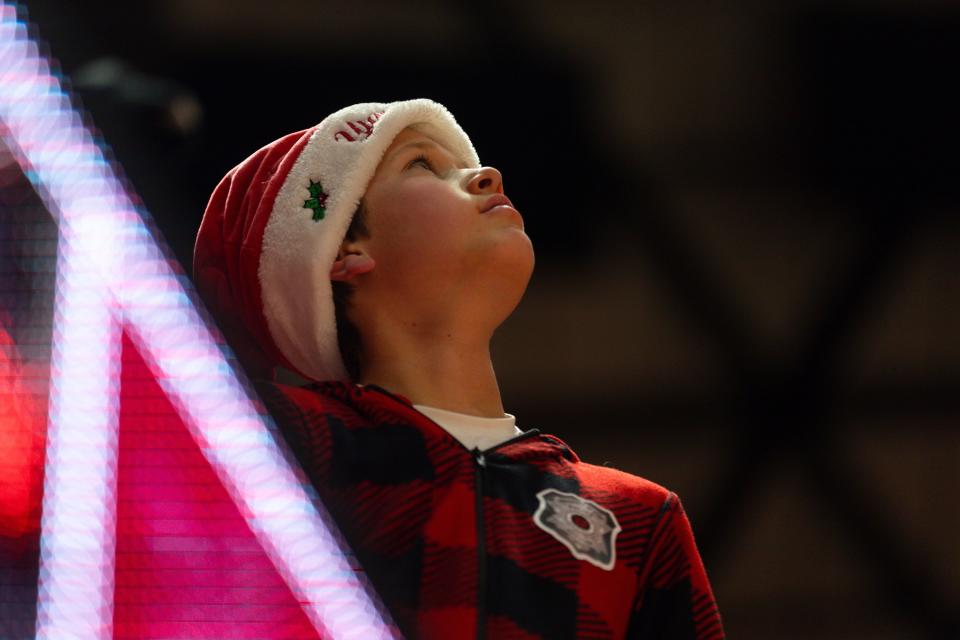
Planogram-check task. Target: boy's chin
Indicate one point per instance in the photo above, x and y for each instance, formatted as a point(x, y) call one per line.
point(511, 270)
point(514, 251)
point(509, 280)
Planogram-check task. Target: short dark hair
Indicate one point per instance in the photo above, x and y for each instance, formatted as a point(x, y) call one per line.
point(348, 336)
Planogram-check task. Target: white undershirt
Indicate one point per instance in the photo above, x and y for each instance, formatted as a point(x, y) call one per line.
point(473, 432)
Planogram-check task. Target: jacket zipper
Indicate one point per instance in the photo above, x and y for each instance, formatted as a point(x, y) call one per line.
point(481, 462)
point(479, 458)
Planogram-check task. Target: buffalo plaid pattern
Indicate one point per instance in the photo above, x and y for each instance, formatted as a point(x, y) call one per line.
point(448, 537)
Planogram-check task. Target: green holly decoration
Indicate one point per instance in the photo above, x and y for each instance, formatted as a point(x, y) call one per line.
point(317, 201)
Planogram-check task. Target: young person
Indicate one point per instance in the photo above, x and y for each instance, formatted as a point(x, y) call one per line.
point(375, 256)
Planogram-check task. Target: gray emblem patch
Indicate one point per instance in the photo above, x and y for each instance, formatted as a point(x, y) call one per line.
point(586, 528)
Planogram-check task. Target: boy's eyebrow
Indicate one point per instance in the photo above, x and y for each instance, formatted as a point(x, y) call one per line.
point(424, 144)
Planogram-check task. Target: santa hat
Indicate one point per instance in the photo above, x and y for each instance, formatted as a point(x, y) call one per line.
point(275, 223)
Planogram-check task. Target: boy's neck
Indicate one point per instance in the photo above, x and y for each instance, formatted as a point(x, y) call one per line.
point(443, 374)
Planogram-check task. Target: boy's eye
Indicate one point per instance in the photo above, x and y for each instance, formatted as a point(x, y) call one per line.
point(422, 161)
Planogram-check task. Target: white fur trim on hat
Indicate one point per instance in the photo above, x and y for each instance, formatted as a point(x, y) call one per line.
point(298, 251)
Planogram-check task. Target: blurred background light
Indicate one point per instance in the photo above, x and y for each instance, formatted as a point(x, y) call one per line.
point(105, 282)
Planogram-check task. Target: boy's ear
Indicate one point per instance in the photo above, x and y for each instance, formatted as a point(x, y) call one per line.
point(349, 265)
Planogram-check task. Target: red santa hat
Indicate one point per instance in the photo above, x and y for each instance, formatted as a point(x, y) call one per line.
point(275, 223)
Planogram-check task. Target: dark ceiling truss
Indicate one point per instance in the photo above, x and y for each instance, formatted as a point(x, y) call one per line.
point(787, 410)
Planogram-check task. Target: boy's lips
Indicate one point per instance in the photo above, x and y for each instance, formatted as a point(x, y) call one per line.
point(495, 201)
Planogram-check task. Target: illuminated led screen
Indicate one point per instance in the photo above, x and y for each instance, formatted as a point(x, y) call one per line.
point(143, 493)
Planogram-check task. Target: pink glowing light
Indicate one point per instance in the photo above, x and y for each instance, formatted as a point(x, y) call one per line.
point(112, 275)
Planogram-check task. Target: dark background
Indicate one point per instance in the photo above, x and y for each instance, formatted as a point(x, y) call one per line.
point(745, 219)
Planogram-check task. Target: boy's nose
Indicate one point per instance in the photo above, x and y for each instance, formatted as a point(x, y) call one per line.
point(485, 180)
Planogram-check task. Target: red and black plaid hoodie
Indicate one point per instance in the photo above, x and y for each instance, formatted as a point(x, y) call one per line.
point(523, 540)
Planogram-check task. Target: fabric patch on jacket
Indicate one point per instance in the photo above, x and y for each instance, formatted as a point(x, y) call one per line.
point(586, 528)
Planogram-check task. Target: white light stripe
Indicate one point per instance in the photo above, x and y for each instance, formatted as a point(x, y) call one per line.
point(94, 212)
point(77, 544)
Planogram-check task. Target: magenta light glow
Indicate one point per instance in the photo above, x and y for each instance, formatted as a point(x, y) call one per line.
point(113, 276)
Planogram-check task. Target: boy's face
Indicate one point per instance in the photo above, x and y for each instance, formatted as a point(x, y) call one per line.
point(439, 229)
